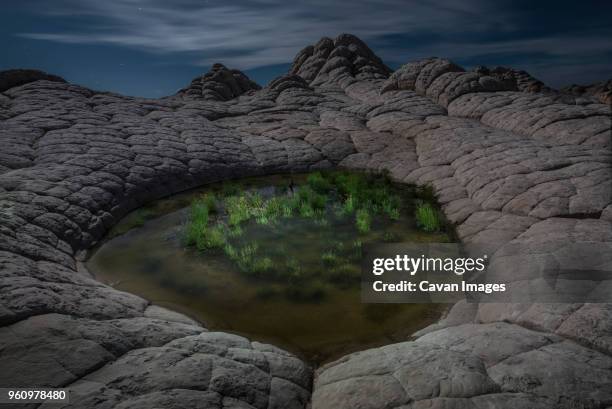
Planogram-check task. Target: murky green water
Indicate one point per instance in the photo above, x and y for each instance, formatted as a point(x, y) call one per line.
point(312, 309)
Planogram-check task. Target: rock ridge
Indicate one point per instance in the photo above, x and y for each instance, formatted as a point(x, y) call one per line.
point(14, 78)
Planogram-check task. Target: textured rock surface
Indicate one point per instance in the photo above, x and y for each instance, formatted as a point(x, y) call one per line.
point(523, 80)
point(219, 84)
point(14, 78)
point(524, 174)
point(602, 91)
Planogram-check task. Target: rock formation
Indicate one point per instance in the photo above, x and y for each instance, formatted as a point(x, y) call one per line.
point(14, 78)
point(602, 91)
point(523, 80)
point(523, 174)
point(220, 84)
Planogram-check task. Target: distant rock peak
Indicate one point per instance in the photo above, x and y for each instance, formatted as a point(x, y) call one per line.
point(220, 84)
point(17, 77)
point(343, 60)
point(602, 91)
point(443, 81)
point(524, 81)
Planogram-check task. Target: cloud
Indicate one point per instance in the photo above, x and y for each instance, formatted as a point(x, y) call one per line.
point(252, 33)
point(266, 32)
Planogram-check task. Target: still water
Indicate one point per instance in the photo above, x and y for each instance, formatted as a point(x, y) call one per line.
point(317, 316)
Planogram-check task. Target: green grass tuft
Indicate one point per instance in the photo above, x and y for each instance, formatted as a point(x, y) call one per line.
point(238, 209)
point(294, 270)
point(390, 205)
point(306, 210)
point(262, 265)
point(230, 251)
point(319, 183)
point(349, 205)
point(244, 257)
point(215, 237)
point(235, 232)
point(210, 201)
point(363, 220)
point(196, 226)
point(389, 237)
point(329, 258)
point(427, 218)
point(356, 251)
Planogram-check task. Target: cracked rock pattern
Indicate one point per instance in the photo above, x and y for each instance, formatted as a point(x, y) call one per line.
point(220, 84)
point(523, 80)
point(523, 173)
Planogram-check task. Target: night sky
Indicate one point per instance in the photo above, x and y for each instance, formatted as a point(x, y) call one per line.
point(154, 47)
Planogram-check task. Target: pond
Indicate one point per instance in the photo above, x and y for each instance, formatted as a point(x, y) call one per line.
point(276, 258)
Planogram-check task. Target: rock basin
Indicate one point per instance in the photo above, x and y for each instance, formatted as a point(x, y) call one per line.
point(525, 173)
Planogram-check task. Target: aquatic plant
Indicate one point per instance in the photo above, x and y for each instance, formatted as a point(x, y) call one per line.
point(321, 221)
point(348, 183)
point(294, 269)
point(357, 251)
point(349, 205)
point(427, 217)
point(273, 208)
point(230, 188)
point(287, 207)
point(238, 209)
point(214, 237)
point(307, 196)
point(197, 232)
point(363, 197)
point(235, 231)
point(306, 210)
point(319, 183)
point(263, 219)
point(230, 251)
point(244, 257)
point(209, 199)
point(380, 197)
point(247, 206)
point(247, 261)
point(261, 265)
point(196, 226)
point(363, 220)
point(390, 206)
point(394, 214)
point(389, 237)
point(329, 258)
point(338, 246)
